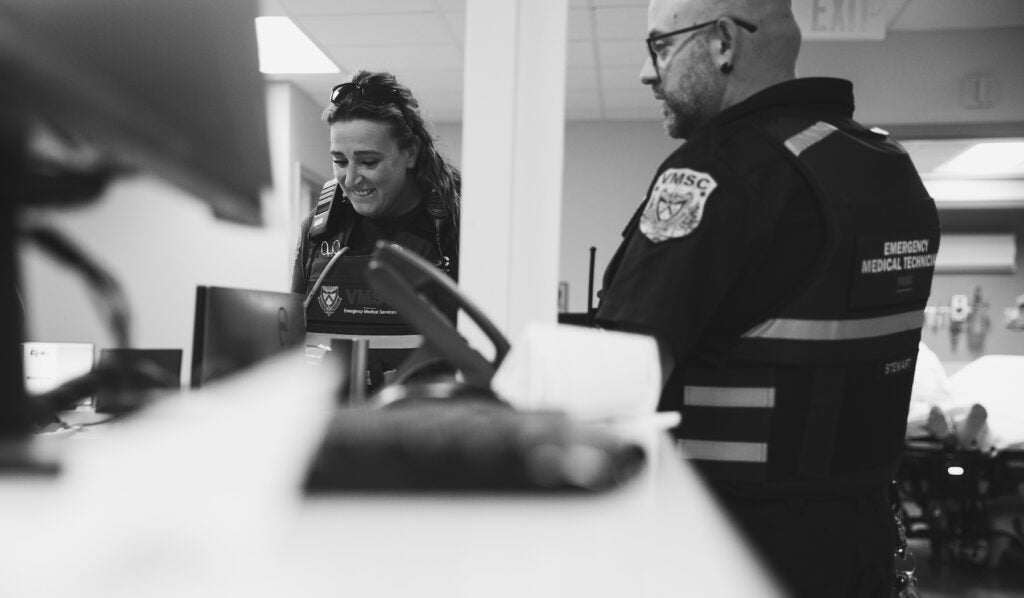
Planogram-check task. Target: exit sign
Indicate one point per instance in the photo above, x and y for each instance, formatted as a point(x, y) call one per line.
point(841, 20)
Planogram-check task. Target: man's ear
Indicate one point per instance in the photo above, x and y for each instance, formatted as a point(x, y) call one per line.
point(723, 48)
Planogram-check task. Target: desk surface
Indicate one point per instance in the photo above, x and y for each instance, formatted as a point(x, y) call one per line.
point(200, 496)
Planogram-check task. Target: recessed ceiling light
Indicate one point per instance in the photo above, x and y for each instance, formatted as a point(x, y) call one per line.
point(284, 48)
point(990, 158)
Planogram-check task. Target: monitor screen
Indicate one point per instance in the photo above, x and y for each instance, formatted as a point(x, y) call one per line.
point(48, 365)
point(235, 328)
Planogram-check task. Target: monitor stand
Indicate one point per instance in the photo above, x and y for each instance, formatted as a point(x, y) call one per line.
point(18, 450)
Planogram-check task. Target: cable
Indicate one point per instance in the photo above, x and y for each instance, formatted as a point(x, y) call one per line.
point(320, 279)
point(121, 374)
point(111, 295)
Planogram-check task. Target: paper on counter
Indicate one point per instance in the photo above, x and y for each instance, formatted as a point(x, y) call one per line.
point(586, 372)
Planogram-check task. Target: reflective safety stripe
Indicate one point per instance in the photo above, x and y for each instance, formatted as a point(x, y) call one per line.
point(715, 396)
point(374, 341)
point(836, 330)
point(804, 139)
point(714, 450)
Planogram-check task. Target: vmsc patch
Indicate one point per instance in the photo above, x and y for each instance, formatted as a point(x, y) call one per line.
point(329, 299)
point(676, 204)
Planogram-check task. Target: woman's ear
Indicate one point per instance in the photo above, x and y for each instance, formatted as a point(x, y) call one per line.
point(411, 154)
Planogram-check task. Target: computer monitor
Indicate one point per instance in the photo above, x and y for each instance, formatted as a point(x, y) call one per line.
point(50, 364)
point(235, 328)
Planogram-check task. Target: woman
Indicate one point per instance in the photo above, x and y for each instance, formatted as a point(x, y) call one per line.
point(390, 183)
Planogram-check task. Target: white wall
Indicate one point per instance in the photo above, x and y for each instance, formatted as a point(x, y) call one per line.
point(916, 77)
point(309, 143)
point(159, 243)
point(608, 166)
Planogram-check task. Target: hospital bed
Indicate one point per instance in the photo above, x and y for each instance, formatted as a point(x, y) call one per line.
point(964, 491)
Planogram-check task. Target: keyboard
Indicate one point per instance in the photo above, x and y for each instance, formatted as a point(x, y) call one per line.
point(467, 444)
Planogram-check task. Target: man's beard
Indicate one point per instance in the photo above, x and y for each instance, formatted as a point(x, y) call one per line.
point(689, 105)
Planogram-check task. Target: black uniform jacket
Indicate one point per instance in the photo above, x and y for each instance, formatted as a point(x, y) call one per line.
point(784, 254)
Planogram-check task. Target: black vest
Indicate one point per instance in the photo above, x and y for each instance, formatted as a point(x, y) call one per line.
point(345, 302)
point(814, 399)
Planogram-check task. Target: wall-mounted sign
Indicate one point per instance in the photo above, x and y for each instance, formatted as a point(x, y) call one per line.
point(841, 20)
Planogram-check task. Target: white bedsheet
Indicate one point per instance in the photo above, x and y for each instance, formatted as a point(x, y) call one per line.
point(996, 382)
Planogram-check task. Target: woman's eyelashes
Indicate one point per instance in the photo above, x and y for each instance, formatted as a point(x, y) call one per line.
point(364, 163)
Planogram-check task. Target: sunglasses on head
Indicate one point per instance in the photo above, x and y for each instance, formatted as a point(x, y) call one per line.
point(377, 94)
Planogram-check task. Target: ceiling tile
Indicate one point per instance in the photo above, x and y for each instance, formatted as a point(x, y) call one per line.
point(271, 8)
point(421, 41)
point(317, 87)
point(640, 97)
point(621, 23)
point(328, 7)
point(438, 104)
point(600, 3)
point(444, 116)
point(587, 113)
point(456, 24)
point(579, 54)
point(623, 78)
point(451, 4)
point(628, 113)
point(391, 58)
point(418, 80)
point(631, 53)
point(581, 79)
point(377, 30)
point(580, 100)
point(435, 103)
point(319, 81)
point(579, 24)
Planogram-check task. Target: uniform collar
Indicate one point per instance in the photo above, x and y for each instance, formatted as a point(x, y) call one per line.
point(415, 219)
point(822, 95)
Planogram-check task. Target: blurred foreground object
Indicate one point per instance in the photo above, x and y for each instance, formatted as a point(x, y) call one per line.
point(586, 372)
point(95, 90)
point(170, 87)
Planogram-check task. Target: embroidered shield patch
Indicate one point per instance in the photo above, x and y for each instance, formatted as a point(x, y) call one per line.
point(676, 204)
point(329, 299)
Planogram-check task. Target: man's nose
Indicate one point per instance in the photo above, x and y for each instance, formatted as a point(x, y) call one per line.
point(648, 74)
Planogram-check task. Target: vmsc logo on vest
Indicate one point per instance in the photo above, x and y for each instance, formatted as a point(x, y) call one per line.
point(676, 204)
point(329, 299)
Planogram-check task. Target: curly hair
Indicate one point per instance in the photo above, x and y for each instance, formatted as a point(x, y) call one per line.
point(379, 97)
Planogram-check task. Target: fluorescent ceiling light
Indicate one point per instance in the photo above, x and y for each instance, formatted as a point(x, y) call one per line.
point(284, 48)
point(976, 192)
point(990, 158)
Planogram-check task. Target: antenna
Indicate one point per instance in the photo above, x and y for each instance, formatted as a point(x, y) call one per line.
point(590, 284)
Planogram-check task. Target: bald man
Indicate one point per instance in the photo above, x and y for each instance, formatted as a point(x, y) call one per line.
point(783, 258)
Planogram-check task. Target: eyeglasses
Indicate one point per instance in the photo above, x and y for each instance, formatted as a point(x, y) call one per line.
point(378, 94)
point(654, 39)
